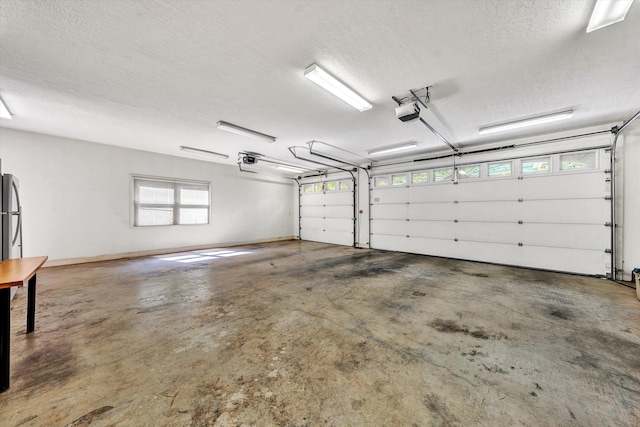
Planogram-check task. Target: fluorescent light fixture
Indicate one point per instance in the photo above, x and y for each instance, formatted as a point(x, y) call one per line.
point(4, 111)
point(201, 151)
point(526, 122)
point(336, 87)
point(290, 169)
point(607, 12)
point(392, 149)
point(239, 130)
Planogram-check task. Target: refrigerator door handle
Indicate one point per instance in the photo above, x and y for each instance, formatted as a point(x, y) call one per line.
point(18, 228)
point(19, 213)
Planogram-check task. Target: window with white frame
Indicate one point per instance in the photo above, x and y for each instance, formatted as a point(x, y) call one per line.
point(398, 179)
point(159, 201)
point(324, 187)
point(575, 161)
point(465, 172)
point(346, 185)
point(500, 169)
point(421, 177)
point(381, 181)
point(537, 165)
point(442, 174)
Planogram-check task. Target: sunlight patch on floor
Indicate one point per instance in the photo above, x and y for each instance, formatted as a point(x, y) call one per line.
point(201, 256)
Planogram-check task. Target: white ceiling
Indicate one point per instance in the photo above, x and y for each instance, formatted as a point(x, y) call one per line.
point(155, 75)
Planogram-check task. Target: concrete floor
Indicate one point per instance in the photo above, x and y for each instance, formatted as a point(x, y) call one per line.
point(306, 334)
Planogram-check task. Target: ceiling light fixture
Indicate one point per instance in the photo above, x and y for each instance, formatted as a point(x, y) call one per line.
point(201, 151)
point(239, 130)
point(336, 87)
point(526, 122)
point(4, 111)
point(392, 149)
point(607, 12)
point(290, 169)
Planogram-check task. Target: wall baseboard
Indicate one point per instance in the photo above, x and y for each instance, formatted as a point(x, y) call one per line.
point(137, 254)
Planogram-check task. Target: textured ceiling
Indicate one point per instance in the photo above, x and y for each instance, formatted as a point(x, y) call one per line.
point(155, 75)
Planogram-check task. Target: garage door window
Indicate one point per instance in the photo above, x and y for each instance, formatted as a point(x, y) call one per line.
point(420, 177)
point(381, 181)
point(170, 202)
point(307, 188)
point(332, 186)
point(399, 179)
point(500, 169)
point(319, 187)
point(442, 174)
point(345, 185)
point(467, 172)
point(576, 161)
point(538, 165)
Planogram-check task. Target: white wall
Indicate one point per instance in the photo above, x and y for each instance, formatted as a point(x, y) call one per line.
point(628, 154)
point(76, 198)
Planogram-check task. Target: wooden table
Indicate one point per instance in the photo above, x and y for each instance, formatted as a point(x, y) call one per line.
point(14, 272)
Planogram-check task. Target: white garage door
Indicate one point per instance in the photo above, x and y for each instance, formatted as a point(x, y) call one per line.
point(549, 212)
point(327, 211)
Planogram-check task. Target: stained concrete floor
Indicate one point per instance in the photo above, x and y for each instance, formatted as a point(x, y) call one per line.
point(307, 334)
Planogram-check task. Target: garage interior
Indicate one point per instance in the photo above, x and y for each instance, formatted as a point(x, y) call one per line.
point(229, 244)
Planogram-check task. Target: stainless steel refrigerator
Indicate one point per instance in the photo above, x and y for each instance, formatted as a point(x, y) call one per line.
point(11, 230)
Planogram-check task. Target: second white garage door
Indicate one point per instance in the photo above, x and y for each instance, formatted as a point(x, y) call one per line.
point(550, 212)
point(327, 211)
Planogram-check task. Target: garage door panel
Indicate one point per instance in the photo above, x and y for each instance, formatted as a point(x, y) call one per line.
point(390, 243)
point(338, 237)
point(535, 257)
point(389, 195)
point(435, 193)
point(498, 253)
point(508, 211)
point(311, 200)
point(587, 211)
point(312, 211)
point(488, 232)
point(432, 211)
point(492, 189)
point(337, 224)
point(575, 236)
point(314, 235)
point(415, 245)
point(399, 227)
point(435, 247)
point(565, 186)
point(382, 211)
point(338, 211)
point(572, 261)
point(327, 236)
point(313, 223)
point(339, 198)
point(432, 229)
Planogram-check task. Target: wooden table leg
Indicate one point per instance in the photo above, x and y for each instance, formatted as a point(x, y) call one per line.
point(5, 334)
point(31, 305)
